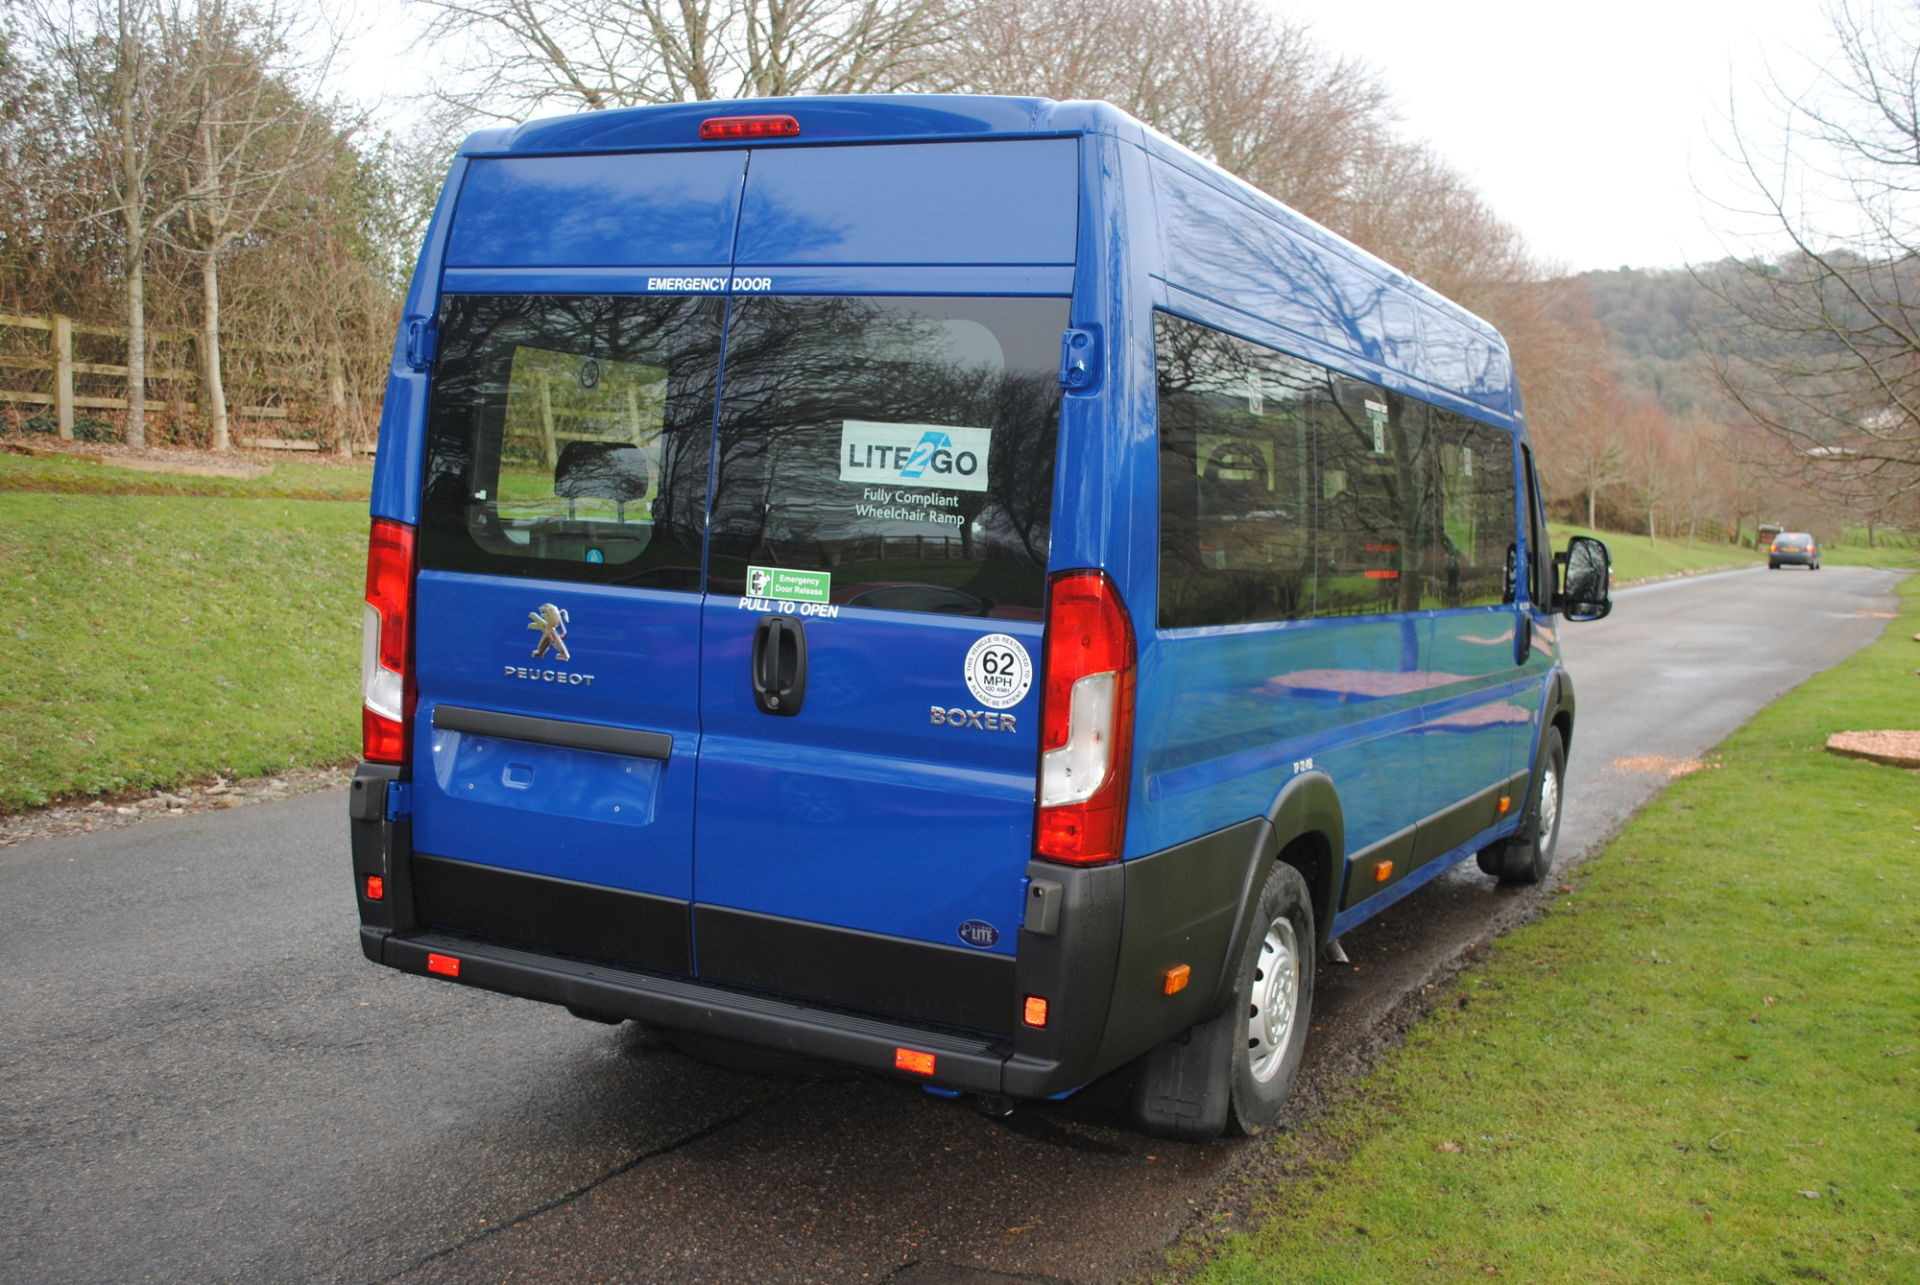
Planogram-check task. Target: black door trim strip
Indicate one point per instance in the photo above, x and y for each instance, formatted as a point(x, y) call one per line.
point(554, 731)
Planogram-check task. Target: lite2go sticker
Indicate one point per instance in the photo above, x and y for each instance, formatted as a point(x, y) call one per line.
point(999, 672)
point(978, 932)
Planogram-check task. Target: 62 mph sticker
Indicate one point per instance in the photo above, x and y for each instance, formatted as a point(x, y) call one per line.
point(999, 671)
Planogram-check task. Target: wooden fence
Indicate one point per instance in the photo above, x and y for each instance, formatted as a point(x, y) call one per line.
point(293, 415)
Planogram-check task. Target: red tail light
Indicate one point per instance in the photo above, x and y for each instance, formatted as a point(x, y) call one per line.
point(1086, 721)
point(386, 650)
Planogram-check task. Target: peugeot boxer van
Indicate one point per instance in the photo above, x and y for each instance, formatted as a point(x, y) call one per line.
point(960, 587)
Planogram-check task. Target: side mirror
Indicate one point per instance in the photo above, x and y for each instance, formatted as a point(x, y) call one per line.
point(1586, 571)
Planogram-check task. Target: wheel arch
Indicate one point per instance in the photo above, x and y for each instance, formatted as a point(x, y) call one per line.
point(1306, 829)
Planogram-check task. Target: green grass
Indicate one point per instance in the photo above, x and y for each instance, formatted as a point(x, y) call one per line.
point(155, 640)
point(1703, 1063)
point(296, 478)
point(1635, 557)
point(1859, 555)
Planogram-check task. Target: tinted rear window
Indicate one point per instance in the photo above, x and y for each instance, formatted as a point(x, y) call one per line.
point(894, 453)
point(902, 447)
point(567, 438)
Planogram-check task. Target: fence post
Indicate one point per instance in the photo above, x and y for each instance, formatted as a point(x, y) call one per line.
point(63, 375)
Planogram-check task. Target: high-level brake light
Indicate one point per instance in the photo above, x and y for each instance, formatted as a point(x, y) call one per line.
point(386, 649)
point(720, 129)
point(1086, 721)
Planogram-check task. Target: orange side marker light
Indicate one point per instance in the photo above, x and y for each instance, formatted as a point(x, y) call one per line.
point(1034, 1011)
point(445, 965)
point(376, 888)
point(1175, 979)
point(1382, 871)
point(1506, 804)
point(913, 1060)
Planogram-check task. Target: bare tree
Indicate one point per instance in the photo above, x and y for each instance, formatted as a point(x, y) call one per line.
point(519, 57)
point(1821, 344)
point(252, 137)
point(134, 95)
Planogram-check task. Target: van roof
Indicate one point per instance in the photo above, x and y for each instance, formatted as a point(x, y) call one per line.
point(848, 118)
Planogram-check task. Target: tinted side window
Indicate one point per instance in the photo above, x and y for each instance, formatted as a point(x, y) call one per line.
point(568, 438)
point(1287, 490)
point(1478, 509)
point(1542, 578)
point(897, 451)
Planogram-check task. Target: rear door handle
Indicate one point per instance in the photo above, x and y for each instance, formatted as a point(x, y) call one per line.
point(779, 665)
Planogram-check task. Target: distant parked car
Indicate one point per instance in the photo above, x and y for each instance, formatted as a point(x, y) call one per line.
point(1793, 549)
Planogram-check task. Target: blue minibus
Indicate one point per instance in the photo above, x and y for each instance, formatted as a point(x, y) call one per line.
point(960, 587)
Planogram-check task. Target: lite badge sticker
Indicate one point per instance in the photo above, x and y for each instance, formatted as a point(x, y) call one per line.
point(936, 455)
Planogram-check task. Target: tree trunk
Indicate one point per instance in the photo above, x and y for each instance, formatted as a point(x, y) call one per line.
point(337, 403)
point(1590, 508)
point(134, 194)
point(136, 349)
point(213, 392)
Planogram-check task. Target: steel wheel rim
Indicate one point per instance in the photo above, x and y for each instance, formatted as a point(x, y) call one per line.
point(1275, 1001)
point(1549, 809)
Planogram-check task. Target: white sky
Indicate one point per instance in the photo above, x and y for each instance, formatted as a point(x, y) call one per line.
point(1589, 127)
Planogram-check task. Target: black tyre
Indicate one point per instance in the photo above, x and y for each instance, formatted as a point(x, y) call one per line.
point(1232, 1073)
point(1773, 566)
point(1528, 856)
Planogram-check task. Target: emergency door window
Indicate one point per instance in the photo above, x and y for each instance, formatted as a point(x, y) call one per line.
point(894, 453)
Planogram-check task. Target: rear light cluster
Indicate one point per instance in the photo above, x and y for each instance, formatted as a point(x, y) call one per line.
point(1086, 721)
point(386, 649)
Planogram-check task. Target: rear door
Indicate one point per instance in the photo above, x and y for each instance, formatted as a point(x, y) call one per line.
point(557, 653)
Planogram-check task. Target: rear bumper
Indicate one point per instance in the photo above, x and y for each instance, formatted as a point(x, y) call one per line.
point(1092, 952)
point(1791, 559)
point(973, 1063)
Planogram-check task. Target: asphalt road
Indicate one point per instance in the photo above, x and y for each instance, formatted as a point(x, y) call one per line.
point(201, 1079)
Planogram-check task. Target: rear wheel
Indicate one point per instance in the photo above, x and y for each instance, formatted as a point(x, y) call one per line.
point(1528, 856)
point(1232, 1073)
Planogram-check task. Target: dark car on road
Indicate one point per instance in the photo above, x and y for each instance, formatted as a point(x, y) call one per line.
point(1793, 549)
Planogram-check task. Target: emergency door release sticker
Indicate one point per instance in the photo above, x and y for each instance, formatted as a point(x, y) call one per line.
point(784, 585)
point(999, 671)
point(952, 459)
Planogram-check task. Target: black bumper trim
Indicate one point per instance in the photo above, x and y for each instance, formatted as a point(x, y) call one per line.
point(969, 1063)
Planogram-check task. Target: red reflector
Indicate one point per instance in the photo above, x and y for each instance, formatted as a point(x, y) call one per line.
point(445, 965)
point(376, 887)
point(723, 128)
point(913, 1060)
point(1034, 1012)
point(1383, 575)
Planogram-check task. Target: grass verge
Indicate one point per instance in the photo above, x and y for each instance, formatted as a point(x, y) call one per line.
point(1859, 555)
point(154, 640)
point(1702, 1063)
point(1635, 557)
point(295, 478)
